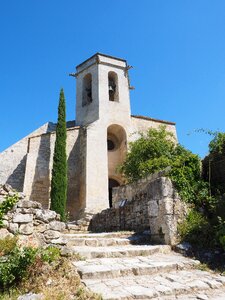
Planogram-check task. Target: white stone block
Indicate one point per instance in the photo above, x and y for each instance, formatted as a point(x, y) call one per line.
point(22, 218)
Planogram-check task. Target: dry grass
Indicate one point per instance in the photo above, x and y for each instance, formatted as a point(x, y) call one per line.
point(58, 280)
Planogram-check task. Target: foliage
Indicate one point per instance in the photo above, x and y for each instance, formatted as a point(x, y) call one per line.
point(59, 171)
point(6, 205)
point(196, 229)
point(214, 162)
point(156, 150)
point(17, 263)
point(13, 267)
point(150, 153)
point(220, 229)
point(7, 245)
point(50, 254)
point(217, 144)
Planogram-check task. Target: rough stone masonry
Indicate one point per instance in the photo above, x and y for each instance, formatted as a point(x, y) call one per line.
point(149, 204)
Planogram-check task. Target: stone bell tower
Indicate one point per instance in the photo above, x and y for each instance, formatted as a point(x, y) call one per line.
point(103, 109)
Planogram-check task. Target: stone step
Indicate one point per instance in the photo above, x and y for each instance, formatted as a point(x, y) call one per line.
point(103, 241)
point(141, 265)
point(97, 242)
point(124, 250)
point(74, 228)
point(88, 235)
point(176, 284)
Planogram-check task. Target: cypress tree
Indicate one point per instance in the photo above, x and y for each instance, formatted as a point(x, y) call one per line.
point(59, 171)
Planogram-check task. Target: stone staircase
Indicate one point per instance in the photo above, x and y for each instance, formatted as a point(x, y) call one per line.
point(123, 266)
point(80, 225)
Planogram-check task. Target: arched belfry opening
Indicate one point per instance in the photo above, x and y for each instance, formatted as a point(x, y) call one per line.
point(112, 183)
point(117, 148)
point(87, 90)
point(113, 86)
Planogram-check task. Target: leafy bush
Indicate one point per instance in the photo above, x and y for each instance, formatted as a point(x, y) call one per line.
point(50, 254)
point(156, 150)
point(6, 205)
point(152, 152)
point(220, 229)
point(13, 267)
point(196, 229)
point(7, 245)
point(217, 144)
point(17, 263)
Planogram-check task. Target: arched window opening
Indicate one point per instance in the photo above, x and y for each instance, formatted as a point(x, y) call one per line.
point(110, 144)
point(113, 86)
point(112, 183)
point(87, 90)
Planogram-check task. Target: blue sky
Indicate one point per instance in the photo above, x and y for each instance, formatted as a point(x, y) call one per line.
point(177, 49)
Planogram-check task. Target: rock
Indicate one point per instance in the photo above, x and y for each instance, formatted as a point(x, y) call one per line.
point(30, 241)
point(4, 233)
point(21, 195)
point(13, 228)
point(2, 199)
point(31, 296)
point(59, 241)
point(28, 204)
point(5, 217)
point(5, 223)
point(45, 215)
point(58, 226)
point(38, 222)
point(28, 210)
point(3, 192)
point(24, 204)
point(183, 248)
point(11, 194)
point(7, 187)
point(58, 217)
point(51, 234)
point(36, 204)
point(67, 252)
point(26, 229)
point(22, 218)
point(42, 227)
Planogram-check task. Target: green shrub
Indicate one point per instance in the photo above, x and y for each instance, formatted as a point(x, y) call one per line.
point(7, 245)
point(13, 267)
point(197, 230)
point(6, 205)
point(156, 150)
point(16, 263)
point(50, 254)
point(220, 232)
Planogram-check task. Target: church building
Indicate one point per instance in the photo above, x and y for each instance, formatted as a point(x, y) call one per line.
point(97, 141)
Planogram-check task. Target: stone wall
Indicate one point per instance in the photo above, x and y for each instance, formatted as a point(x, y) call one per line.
point(13, 160)
point(151, 204)
point(39, 165)
point(33, 225)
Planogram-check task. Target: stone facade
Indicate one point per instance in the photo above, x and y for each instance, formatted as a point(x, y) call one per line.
point(13, 159)
point(96, 143)
point(150, 204)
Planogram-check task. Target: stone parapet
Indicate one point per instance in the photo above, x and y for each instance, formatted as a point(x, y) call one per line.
point(147, 205)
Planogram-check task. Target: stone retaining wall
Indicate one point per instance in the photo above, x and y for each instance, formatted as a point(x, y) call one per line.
point(35, 226)
point(155, 206)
